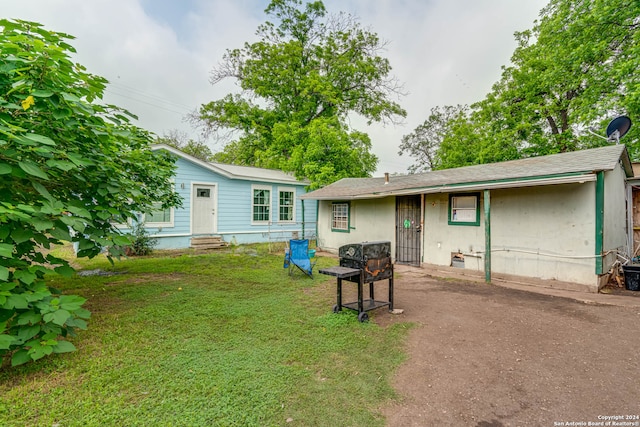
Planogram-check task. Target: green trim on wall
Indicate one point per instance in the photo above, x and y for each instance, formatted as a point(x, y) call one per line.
point(599, 220)
point(521, 179)
point(339, 230)
point(475, 223)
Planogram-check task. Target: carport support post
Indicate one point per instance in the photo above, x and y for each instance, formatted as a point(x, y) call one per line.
point(487, 236)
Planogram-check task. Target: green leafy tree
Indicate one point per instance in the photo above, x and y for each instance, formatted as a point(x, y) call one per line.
point(70, 169)
point(300, 82)
point(425, 140)
point(575, 70)
point(477, 136)
point(182, 142)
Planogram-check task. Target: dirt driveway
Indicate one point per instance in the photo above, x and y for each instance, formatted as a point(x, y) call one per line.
point(485, 355)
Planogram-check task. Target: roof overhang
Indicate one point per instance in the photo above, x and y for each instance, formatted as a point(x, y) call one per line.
point(473, 186)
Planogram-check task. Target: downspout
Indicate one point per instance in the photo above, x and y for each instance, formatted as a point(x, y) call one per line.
point(599, 220)
point(487, 236)
point(303, 218)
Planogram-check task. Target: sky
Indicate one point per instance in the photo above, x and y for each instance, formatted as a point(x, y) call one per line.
point(158, 54)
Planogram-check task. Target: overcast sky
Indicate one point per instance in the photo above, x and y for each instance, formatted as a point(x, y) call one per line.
point(158, 54)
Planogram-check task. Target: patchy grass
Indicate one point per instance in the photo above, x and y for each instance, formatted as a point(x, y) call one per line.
point(222, 339)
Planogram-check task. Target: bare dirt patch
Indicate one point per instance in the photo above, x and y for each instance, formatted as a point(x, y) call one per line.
point(484, 355)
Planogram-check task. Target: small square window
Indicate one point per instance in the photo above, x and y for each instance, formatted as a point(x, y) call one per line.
point(464, 209)
point(203, 192)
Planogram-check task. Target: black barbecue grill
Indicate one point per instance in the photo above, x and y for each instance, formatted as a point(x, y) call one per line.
point(365, 262)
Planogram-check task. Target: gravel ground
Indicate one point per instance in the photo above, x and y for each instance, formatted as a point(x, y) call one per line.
point(486, 355)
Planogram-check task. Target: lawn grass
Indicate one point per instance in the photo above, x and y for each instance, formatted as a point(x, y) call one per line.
point(222, 339)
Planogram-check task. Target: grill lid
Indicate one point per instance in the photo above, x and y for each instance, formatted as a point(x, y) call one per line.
point(365, 250)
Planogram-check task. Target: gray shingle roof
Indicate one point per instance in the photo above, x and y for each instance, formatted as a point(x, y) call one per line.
point(544, 169)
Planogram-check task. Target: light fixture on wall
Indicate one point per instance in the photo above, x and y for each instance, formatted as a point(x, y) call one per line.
point(182, 185)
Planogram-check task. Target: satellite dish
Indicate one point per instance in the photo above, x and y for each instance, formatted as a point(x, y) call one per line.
point(618, 128)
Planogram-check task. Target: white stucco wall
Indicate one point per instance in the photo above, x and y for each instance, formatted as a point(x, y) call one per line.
point(441, 239)
point(545, 232)
point(556, 223)
point(370, 220)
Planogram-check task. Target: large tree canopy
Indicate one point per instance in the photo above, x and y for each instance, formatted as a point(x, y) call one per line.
point(300, 83)
point(71, 169)
point(575, 70)
point(424, 142)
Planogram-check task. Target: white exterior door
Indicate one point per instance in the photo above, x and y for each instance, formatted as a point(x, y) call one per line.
point(203, 209)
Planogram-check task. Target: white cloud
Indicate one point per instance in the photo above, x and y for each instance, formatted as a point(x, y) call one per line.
point(159, 56)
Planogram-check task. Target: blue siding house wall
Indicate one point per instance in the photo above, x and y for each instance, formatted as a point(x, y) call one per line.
point(238, 204)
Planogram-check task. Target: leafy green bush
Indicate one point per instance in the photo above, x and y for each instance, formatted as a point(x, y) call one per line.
point(142, 244)
point(70, 169)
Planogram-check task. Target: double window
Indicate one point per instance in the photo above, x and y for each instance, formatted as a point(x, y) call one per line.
point(261, 204)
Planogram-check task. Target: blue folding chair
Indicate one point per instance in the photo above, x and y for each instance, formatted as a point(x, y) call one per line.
point(297, 255)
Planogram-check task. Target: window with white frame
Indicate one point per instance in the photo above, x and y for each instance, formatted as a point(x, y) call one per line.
point(158, 216)
point(261, 203)
point(464, 209)
point(340, 216)
point(286, 204)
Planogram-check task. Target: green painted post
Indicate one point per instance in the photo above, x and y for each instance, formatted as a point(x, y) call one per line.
point(303, 219)
point(599, 220)
point(317, 219)
point(487, 236)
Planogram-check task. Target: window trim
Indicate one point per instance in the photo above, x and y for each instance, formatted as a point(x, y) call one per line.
point(293, 204)
point(341, 230)
point(169, 223)
point(464, 223)
point(270, 190)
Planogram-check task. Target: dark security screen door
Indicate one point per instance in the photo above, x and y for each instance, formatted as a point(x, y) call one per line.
point(408, 230)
